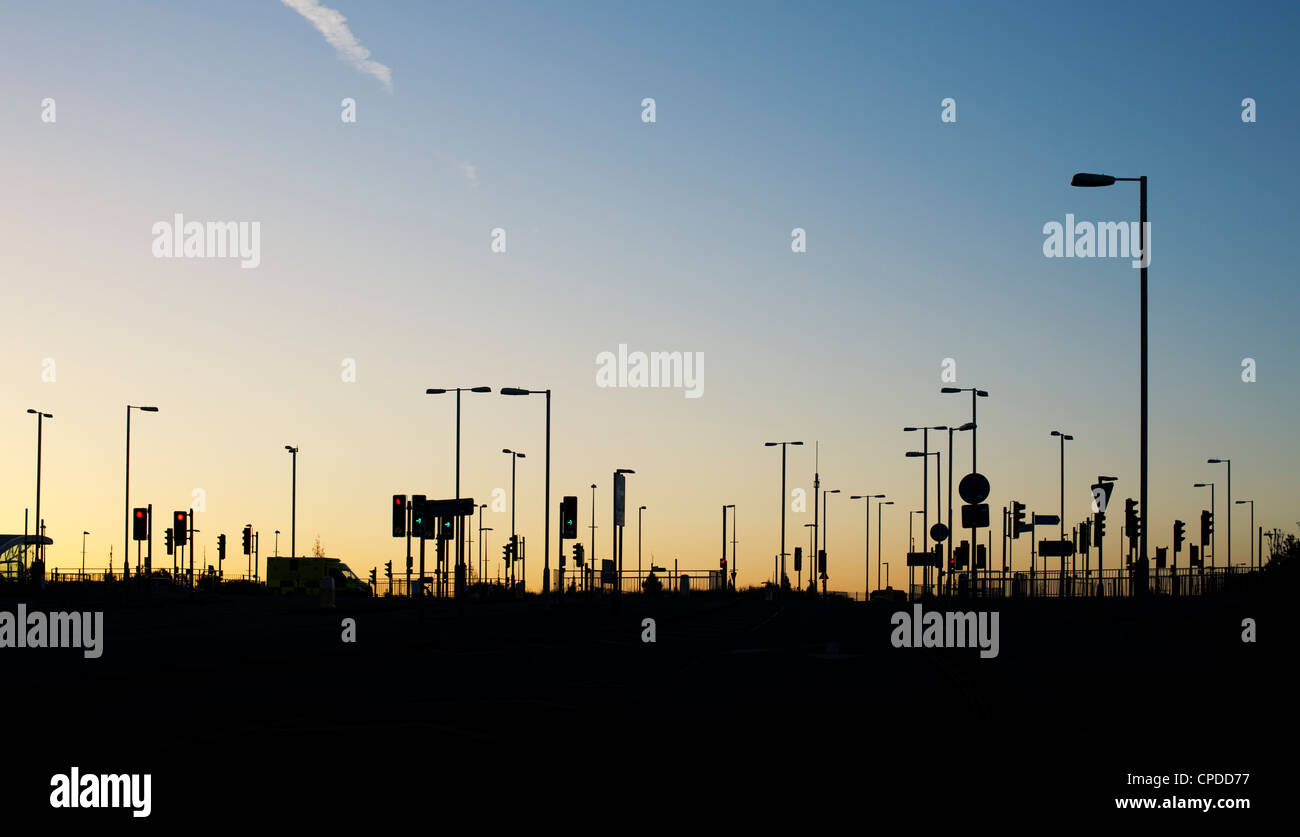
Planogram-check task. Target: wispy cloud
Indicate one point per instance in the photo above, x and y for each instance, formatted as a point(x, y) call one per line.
point(333, 25)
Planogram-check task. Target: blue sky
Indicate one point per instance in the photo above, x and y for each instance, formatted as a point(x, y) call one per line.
point(924, 242)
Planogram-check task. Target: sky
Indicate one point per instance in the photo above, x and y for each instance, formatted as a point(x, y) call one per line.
point(377, 276)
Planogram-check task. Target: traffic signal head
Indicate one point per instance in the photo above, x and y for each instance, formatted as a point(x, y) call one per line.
point(221, 547)
point(399, 515)
point(167, 540)
point(417, 517)
point(1017, 517)
point(178, 527)
point(578, 553)
point(247, 539)
point(1099, 529)
point(140, 524)
point(569, 517)
point(446, 528)
point(1130, 514)
point(388, 569)
point(1207, 527)
point(505, 552)
point(1180, 535)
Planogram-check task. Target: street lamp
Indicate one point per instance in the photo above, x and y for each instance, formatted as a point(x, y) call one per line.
point(460, 527)
point(481, 550)
point(952, 526)
point(781, 581)
point(1086, 180)
point(1214, 550)
point(1252, 530)
point(126, 514)
point(1065, 437)
point(617, 534)
point(974, 393)
point(293, 513)
point(591, 559)
point(546, 492)
point(515, 456)
point(925, 486)
point(867, 540)
point(83, 552)
point(1227, 462)
point(638, 546)
point(816, 558)
point(731, 506)
point(40, 546)
point(880, 528)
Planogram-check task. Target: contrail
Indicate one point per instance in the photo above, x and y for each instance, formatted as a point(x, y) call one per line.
point(333, 26)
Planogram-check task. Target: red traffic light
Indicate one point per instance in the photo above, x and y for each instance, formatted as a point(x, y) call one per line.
point(139, 514)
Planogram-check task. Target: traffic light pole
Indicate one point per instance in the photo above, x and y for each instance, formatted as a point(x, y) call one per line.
point(148, 561)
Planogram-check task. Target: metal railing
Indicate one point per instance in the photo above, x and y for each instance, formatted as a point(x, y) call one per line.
point(1079, 583)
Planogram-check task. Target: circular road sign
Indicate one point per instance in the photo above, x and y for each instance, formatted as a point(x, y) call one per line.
point(973, 488)
point(939, 532)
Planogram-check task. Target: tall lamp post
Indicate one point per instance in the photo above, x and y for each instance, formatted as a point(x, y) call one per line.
point(293, 511)
point(638, 546)
point(816, 558)
point(591, 559)
point(40, 546)
point(880, 528)
point(731, 506)
point(546, 491)
point(1065, 437)
point(126, 514)
point(1227, 462)
point(925, 485)
point(83, 551)
point(1214, 549)
point(1094, 180)
point(515, 456)
point(952, 526)
point(619, 481)
point(460, 523)
point(974, 394)
point(780, 582)
point(1252, 530)
point(867, 541)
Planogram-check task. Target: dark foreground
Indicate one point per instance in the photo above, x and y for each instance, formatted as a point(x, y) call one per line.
point(252, 709)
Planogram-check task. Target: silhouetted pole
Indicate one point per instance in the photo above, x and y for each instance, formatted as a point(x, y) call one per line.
point(40, 530)
point(817, 530)
point(1251, 530)
point(638, 541)
point(780, 582)
point(880, 529)
point(1227, 462)
point(591, 559)
point(1064, 437)
point(293, 514)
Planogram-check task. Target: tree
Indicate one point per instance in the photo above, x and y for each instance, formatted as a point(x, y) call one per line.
point(317, 551)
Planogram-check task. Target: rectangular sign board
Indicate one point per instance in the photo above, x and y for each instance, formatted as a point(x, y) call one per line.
point(1055, 549)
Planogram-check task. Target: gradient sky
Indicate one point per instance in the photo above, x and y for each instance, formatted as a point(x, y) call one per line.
point(924, 242)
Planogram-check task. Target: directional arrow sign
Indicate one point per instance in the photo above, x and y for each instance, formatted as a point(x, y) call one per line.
point(1047, 520)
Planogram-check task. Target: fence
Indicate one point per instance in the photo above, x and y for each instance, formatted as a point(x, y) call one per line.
point(1070, 584)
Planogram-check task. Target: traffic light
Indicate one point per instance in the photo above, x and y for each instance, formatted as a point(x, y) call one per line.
point(221, 548)
point(578, 554)
point(167, 540)
point(1085, 537)
point(1017, 517)
point(399, 515)
point(569, 517)
point(1162, 553)
point(140, 524)
point(417, 516)
point(1207, 527)
point(247, 537)
point(1180, 535)
point(1196, 555)
point(388, 570)
point(980, 556)
point(178, 530)
point(798, 559)
point(1099, 529)
point(374, 577)
point(962, 553)
point(446, 528)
